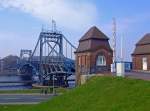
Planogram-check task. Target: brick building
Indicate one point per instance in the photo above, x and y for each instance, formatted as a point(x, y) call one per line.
point(141, 54)
point(94, 54)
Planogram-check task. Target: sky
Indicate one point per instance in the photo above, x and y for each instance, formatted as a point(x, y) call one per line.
point(21, 21)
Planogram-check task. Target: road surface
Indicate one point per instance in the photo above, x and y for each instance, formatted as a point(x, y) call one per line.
point(139, 75)
point(23, 98)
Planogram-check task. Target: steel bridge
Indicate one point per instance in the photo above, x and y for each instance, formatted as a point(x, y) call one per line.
point(52, 59)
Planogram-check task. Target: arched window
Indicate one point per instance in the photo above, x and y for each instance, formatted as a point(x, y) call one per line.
point(101, 61)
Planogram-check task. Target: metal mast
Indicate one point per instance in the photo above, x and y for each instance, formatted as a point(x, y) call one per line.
point(53, 26)
point(114, 40)
point(121, 48)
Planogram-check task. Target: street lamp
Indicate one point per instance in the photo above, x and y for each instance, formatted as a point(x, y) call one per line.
point(53, 84)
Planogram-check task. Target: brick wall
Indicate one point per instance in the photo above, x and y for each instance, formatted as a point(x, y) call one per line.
point(137, 62)
point(87, 60)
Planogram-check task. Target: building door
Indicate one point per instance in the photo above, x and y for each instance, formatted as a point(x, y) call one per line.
point(144, 63)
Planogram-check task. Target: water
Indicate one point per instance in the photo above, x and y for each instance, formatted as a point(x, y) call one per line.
point(71, 83)
point(15, 82)
point(19, 82)
point(20, 87)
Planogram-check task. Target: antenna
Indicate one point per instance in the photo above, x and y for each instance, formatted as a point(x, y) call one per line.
point(122, 47)
point(114, 40)
point(53, 25)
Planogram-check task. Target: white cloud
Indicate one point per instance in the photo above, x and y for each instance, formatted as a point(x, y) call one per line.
point(127, 24)
point(68, 13)
point(12, 43)
point(72, 16)
point(126, 28)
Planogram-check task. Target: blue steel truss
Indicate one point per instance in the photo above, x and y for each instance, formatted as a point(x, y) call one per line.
point(48, 59)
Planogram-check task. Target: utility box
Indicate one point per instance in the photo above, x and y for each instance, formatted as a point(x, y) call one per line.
point(120, 69)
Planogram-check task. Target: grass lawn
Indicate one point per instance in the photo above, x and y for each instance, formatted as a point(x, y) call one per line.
point(99, 94)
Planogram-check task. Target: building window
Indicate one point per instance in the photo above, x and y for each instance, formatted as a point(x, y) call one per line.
point(101, 61)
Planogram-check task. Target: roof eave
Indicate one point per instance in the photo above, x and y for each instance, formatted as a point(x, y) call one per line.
point(81, 40)
point(134, 54)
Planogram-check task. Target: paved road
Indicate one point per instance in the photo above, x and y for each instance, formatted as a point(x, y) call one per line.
point(138, 75)
point(23, 99)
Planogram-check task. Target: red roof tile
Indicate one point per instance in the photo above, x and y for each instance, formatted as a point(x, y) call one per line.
point(143, 46)
point(94, 33)
point(144, 40)
point(92, 40)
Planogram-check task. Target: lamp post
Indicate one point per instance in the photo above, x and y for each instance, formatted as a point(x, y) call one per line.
point(113, 65)
point(120, 64)
point(53, 84)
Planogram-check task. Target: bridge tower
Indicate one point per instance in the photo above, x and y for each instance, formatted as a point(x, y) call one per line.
point(25, 52)
point(51, 48)
point(49, 56)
